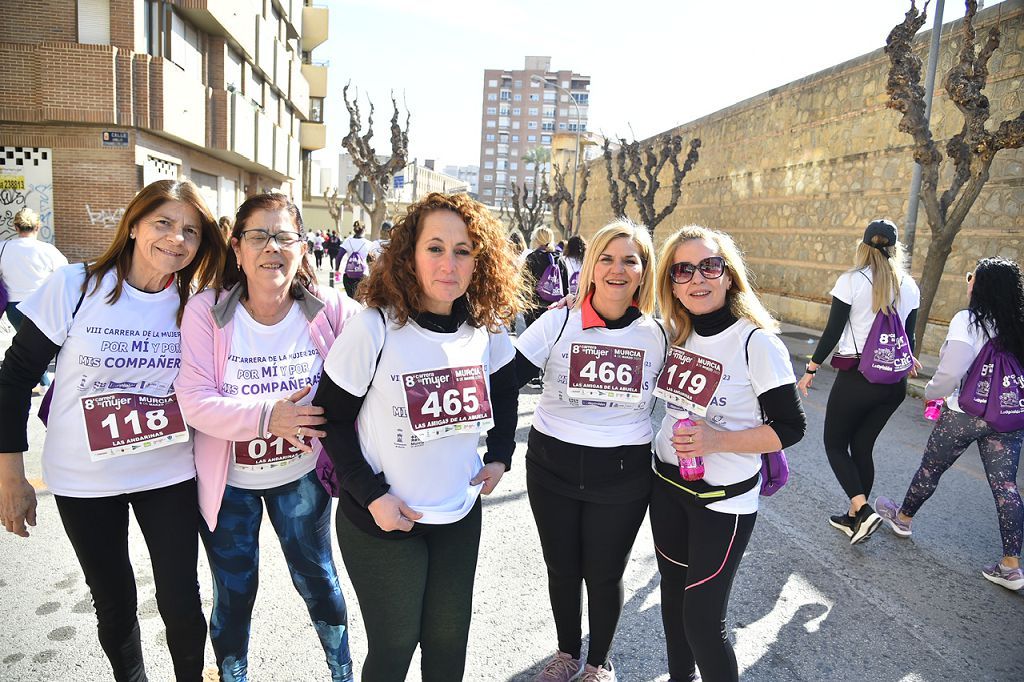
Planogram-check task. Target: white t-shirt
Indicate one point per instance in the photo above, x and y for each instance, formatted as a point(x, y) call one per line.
point(573, 268)
point(591, 421)
point(734, 406)
point(129, 349)
point(357, 245)
point(854, 289)
point(961, 329)
point(318, 243)
point(270, 362)
point(431, 476)
point(26, 263)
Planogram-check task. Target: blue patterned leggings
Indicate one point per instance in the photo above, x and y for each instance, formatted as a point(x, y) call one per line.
point(1000, 454)
point(300, 512)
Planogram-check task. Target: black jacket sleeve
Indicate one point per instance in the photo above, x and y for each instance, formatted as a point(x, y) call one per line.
point(525, 370)
point(910, 324)
point(342, 443)
point(501, 438)
point(838, 316)
point(784, 412)
point(25, 361)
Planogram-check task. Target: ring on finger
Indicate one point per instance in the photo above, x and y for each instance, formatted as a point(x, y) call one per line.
point(691, 440)
point(298, 432)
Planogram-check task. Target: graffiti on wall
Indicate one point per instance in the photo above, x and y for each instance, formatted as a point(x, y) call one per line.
point(106, 217)
point(26, 181)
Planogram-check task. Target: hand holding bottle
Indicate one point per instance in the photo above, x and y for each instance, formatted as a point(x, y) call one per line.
point(690, 468)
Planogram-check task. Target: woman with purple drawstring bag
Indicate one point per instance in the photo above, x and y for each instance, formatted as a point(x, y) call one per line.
point(981, 377)
point(871, 327)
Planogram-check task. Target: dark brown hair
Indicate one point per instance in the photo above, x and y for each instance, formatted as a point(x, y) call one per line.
point(201, 272)
point(305, 278)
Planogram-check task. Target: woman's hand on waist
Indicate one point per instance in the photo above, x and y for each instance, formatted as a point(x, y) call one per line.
point(490, 475)
point(391, 513)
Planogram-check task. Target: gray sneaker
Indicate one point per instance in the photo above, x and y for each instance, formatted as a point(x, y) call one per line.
point(1010, 578)
point(599, 674)
point(561, 668)
point(889, 511)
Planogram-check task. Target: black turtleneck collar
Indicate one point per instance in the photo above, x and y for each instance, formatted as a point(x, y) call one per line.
point(444, 324)
point(714, 322)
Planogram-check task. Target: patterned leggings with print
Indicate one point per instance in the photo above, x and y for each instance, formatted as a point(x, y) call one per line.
point(1000, 454)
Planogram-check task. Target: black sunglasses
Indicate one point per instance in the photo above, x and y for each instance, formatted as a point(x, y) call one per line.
point(711, 267)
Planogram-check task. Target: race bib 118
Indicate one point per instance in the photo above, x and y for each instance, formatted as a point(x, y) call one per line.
point(443, 402)
point(129, 423)
point(608, 372)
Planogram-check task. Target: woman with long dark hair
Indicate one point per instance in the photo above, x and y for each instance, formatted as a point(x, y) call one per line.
point(857, 408)
point(994, 314)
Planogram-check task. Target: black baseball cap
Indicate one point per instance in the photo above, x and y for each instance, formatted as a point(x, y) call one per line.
point(881, 228)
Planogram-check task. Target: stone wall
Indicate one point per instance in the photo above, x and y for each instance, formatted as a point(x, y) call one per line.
point(795, 174)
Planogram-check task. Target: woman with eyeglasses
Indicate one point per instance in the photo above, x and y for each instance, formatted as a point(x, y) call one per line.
point(730, 375)
point(994, 314)
point(588, 456)
point(252, 356)
point(858, 409)
point(116, 440)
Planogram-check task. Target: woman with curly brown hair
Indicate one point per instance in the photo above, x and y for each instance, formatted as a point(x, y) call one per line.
point(423, 372)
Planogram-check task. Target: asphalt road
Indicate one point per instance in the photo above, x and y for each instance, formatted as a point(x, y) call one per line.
point(805, 605)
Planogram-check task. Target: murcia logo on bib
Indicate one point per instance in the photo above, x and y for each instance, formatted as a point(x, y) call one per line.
point(689, 380)
point(609, 372)
point(447, 401)
point(119, 424)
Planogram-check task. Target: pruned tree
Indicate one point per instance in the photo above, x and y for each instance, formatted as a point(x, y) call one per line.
point(528, 207)
point(638, 167)
point(506, 215)
point(971, 150)
point(336, 205)
point(561, 201)
point(376, 170)
point(581, 198)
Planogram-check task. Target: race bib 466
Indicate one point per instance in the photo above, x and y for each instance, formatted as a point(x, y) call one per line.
point(608, 372)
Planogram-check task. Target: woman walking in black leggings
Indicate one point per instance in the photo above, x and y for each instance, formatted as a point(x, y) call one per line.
point(589, 451)
point(858, 409)
point(701, 528)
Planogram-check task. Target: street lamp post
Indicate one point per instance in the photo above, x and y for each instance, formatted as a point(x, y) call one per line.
point(576, 162)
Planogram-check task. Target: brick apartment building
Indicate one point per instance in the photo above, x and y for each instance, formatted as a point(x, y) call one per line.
point(520, 113)
point(100, 97)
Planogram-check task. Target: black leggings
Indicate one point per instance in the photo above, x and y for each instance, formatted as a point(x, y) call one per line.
point(585, 542)
point(857, 412)
point(169, 519)
point(319, 256)
point(416, 590)
point(698, 553)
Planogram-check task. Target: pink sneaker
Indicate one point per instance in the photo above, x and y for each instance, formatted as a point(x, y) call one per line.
point(561, 668)
point(598, 674)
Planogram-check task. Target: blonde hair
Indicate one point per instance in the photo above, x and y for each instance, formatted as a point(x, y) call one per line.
point(26, 220)
point(542, 236)
point(623, 227)
point(887, 270)
point(742, 300)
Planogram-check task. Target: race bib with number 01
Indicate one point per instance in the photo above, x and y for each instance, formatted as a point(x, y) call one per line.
point(262, 454)
point(443, 402)
point(609, 372)
point(119, 424)
point(689, 380)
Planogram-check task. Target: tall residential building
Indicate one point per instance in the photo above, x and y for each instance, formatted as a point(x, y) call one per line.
point(523, 110)
point(101, 97)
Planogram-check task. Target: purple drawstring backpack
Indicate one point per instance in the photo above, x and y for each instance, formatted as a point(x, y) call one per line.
point(549, 286)
point(774, 465)
point(885, 357)
point(994, 388)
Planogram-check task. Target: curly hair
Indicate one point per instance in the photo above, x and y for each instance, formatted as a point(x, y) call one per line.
point(496, 292)
point(997, 302)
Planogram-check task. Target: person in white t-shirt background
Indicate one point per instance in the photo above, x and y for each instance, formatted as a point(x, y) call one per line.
point(318, 249)
point(355, 255)
point(116, 438)
point(857, 409)
point(995, 312)
point(25, 263)
point(423, 372)
point(252, 356)
point(701, 528)
point(589, 451)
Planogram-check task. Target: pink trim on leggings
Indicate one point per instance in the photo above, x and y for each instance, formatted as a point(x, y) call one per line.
point(724, 560)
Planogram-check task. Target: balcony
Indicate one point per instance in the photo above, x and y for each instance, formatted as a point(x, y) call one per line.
point(265, 38)
point(282, 66)
point(281, 139)
point(264, 140)
point(316, 76)
point(294, 159)
point(312, 135)
point(242, 126)
point(183, 110)
point(223, 18)
point(314, 27)
point(298, 91)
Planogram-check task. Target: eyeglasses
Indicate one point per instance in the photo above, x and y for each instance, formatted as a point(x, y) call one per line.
point(260, 238)
point(711, 267)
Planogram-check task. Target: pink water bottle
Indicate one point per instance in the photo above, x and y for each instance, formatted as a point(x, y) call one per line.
point(690, 468)
point(933, 409)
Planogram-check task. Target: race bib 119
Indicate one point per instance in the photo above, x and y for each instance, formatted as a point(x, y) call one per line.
point(119, 424)
point(608, 372)
point(689, 380)
point(443, 402)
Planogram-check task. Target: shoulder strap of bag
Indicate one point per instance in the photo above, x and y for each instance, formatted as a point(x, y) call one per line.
point(376, 364)
point(568, 310)
point(746, 355)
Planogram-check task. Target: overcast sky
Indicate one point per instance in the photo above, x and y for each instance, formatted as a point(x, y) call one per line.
point(654, 64)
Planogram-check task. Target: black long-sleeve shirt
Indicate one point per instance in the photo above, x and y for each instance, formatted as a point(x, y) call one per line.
point(25, 361)
point(838, 316)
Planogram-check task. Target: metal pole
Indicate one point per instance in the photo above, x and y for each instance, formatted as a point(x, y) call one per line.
point(910, 229)
point(576, 159)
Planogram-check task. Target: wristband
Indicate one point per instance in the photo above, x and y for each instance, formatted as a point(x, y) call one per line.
point(808, 370)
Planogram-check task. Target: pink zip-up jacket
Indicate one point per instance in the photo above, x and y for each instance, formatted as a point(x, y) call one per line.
point(219, 420)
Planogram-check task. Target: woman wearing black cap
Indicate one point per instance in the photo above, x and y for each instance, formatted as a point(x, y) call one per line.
point(857, 408)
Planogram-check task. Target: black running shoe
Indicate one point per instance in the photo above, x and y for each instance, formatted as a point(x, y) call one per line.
point(865, 523)
point(843, 522)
